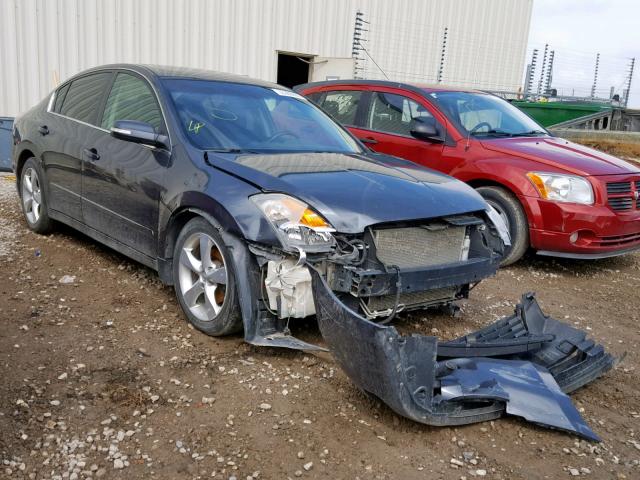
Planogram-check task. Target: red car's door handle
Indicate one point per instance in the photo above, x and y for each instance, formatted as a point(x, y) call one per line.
point(369, 140)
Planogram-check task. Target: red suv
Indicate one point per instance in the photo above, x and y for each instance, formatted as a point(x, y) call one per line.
point(559, 198)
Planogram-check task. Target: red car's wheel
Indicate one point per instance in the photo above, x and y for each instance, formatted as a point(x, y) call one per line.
point(511, 211)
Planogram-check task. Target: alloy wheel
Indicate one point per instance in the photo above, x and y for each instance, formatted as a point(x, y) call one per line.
point(31, 195)
point(202, 276)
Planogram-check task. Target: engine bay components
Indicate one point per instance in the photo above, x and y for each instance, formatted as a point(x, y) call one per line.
point(288, 286)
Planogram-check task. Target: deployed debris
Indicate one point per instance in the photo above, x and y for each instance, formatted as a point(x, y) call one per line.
point(522, 365)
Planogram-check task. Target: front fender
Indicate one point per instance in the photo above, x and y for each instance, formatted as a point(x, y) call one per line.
point(511, 172)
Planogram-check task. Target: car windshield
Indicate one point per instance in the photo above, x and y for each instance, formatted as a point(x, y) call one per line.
point(237, 117)
point(480, 114)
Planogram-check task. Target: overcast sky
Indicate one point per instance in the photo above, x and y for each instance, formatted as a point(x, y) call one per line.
point(577, 30)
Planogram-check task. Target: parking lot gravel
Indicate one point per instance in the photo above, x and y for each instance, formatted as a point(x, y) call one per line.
point(103, 378)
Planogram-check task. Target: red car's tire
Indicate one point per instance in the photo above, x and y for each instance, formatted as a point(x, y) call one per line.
point(510, 209)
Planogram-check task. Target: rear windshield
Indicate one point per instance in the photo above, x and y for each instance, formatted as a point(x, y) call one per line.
point(231, 116)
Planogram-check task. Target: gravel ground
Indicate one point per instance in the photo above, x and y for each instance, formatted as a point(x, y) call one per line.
point(103, 378)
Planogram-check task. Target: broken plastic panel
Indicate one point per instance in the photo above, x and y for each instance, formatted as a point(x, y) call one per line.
point(522, 365)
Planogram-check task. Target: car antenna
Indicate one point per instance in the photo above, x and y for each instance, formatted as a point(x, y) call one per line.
point(466, 147)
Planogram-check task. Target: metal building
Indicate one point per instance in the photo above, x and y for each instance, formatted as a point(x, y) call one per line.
point(461, 42)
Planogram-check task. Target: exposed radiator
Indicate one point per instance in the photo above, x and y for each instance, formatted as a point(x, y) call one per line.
point(422, 246)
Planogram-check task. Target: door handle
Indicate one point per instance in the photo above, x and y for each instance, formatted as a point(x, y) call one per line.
point(369, 140)
point(91, 154)
point(43, 129)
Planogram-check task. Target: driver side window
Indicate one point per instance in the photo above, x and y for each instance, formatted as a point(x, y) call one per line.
point(396, 114)
point(131, 99)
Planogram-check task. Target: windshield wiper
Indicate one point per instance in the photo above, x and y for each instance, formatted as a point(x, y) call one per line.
point(231, 150)
point(530, 133)
point(494, 133)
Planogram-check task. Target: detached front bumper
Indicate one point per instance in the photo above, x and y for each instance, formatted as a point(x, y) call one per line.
point(538, 360)
point(598, 231)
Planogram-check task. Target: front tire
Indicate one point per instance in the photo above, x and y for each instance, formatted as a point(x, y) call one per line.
point(204, 279)
point(511, 211)
point(33, 198)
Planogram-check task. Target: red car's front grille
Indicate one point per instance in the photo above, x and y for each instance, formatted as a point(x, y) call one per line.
point(623, 196)
point(618, 187)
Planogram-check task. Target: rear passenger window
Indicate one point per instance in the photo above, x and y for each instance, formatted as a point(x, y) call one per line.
point(82, 100)
point(131, 98)
point(396, 114)
point(342, 105)
point(60, 94)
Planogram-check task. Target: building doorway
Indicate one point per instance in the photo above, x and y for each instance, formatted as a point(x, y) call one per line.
point(293, 69)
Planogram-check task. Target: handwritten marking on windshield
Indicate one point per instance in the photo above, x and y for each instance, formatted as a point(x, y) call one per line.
point(195, 126)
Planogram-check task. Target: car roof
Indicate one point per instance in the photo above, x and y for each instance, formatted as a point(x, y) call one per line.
point(416, 87)
point(167, 71)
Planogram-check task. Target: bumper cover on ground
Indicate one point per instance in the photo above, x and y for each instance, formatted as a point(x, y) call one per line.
point(536, 361)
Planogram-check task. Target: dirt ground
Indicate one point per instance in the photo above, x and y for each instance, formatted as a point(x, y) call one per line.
point(102, 377)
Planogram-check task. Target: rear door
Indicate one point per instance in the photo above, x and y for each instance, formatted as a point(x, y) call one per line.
point(122, 181)
point(70, 120)
point(386, 128)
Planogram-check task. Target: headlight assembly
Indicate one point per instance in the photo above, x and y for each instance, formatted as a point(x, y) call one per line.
point(562, 188)
point(295, 222)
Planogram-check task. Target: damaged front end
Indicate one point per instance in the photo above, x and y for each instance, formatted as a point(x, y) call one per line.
point(522, 365)
point(387, 268)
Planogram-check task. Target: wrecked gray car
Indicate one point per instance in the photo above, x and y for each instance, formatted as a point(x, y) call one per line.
point(260, 209)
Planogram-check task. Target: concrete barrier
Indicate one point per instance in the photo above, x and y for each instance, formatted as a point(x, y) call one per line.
point(597, 135)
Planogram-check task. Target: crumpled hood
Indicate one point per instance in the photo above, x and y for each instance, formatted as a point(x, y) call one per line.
point(353, 191)
point(562, 154)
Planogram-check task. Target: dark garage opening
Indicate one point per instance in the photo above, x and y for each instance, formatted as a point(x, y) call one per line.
point(293, 69)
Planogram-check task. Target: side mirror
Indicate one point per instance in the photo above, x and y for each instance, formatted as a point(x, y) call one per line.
point(426, 131)
point(138, 132)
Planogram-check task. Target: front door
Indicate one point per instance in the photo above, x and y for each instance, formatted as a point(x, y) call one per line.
point(387, 124)
point(121, 180)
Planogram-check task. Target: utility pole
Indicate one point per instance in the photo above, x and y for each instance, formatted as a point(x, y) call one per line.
point(629, 78)
point(531, 72)
point(549, 76)
point(544, 64)
point(443, 52)
point(356, 46)
point(595, 76)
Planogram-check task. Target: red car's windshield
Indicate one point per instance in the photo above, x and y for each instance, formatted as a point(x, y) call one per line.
point(480, 114)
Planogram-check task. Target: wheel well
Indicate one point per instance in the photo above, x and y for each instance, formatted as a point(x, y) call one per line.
point(176, 223)
point(24, 156)
point(487, 183)
point(490, 183)
point(165, 261)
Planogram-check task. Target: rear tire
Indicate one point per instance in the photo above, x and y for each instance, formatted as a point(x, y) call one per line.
point(33, 198)
point(511, 211)
point(204, 279)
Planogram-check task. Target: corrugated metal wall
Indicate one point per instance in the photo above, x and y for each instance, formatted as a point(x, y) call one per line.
point(45, 41)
